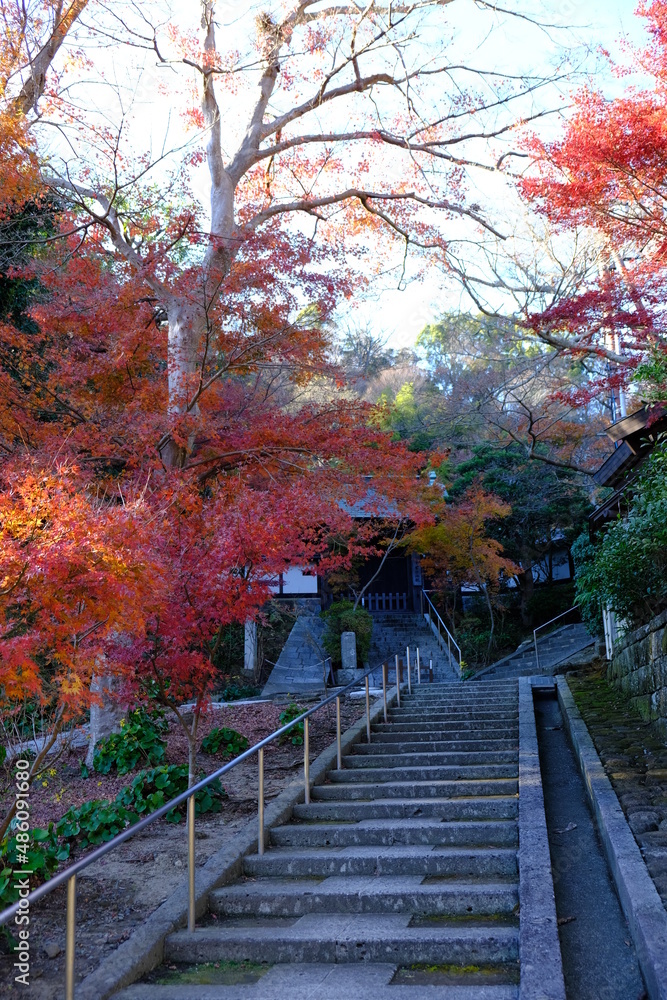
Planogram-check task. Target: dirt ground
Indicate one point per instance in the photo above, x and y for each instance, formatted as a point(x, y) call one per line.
point(118, 893)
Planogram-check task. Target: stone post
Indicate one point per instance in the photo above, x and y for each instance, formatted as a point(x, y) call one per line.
point(105, 715)
point(250, 650)
point(348, 655)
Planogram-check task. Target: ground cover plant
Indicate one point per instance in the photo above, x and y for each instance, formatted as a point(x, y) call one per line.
point(140, 741)
point(224, 742)
point(295, 734)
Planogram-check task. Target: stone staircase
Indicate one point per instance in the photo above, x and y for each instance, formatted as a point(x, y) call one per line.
point(398, 880)
point(555, 648)
point(300, 666)
point(394, 631)
point(300, 670)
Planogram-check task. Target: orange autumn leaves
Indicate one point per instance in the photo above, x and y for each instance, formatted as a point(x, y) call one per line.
point(458, 550)
point(70, 576)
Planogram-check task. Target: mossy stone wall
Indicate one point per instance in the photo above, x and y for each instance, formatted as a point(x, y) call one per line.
point(639, 668)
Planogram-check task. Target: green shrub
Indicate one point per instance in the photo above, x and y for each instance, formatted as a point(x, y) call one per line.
point(342, 617)
point(43, 855)
point(627, 569)
point(235, 692)
point(151, 789)
point(94, 822)
point(226, 742)
point(100, 820)
point(295, 735)
point(140, 741)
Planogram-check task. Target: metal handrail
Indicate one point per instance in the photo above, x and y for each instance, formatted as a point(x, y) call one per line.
point(69, 874)
point(451, 641)
point(550, 622)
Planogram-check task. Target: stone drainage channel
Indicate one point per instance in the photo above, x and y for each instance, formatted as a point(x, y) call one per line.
point(598, 953)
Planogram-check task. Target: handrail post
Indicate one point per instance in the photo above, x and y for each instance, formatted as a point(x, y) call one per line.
point(70, 940)
point(449, 647)
point(537, 655)
point(384, 689)
point(191, 863)
point(430, 671)
point(409, 679)
point(306, 761)
point(368, 711)
point(398, 685)
point(419, 668)
point(339, 755)
point(260, 802)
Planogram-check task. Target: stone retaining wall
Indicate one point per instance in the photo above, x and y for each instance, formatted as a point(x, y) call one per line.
point(639, 668)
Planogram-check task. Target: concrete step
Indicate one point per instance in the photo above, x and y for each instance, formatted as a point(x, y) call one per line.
point(415, 789)
point(482, 862)
point(340, 938)
point(482, 808)
point(409, 716)
point(386, 832)
point(463, 729)
point(368, 981)
point(363, 894)
point(435, 773)
point(442, 703)
point(430, 745)
point(428, 758)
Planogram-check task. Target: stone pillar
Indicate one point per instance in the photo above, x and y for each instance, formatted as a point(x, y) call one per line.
point(105, 714)
point(348, 655)
point(250, 649)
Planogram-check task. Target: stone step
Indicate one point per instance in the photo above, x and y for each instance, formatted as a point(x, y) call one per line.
point(364, 894)
point(436, 773)
point(453, 712)
point(482, 862)
point(483, 808)
point(415, 789)
point(455, 730)
point(431, 745)
point(459, 692)
point(428, 757)
point(340, 938)
point(441, 705)
point(291, 981)
point(408, 716)
point(386, 832)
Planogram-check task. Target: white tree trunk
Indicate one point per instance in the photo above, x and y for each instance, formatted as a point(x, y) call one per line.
point(187, 332)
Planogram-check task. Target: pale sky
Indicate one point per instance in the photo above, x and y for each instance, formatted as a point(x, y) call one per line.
point(400, 315)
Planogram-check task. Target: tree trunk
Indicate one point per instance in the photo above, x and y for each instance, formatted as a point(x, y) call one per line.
point(34, 770)
point(526, 587)
point(187, 331)
point(192, 743)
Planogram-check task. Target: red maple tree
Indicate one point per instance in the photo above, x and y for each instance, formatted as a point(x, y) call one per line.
point(605, 178)
point(170, 423)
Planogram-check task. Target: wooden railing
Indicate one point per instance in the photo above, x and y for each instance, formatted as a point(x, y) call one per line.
point(385, 602)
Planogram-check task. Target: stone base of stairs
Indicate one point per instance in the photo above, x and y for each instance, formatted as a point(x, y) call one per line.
point(402, 875)
point(326, 982)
